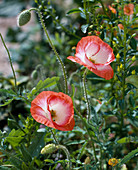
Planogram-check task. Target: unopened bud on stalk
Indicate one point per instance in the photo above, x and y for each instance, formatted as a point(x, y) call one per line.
point(50, 148)
point(133, 72)
point(34, 75)
point(118, 56)
point(87, 160)
point(23, 18)
point(121, 66)
point(133, 58)
point(118, 69)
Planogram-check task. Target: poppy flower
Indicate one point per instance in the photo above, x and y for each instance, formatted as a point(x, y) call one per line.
point(96, 55)
point(112, 9)
point(53, 110)
point(129, 9)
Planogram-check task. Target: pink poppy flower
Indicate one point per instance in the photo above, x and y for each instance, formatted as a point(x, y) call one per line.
point(53, 110)
point(129, 9)
point(96, 55)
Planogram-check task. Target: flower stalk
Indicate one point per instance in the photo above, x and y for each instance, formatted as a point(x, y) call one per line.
point(85, 94)
point(85, 124)
point(15, 81)
point(53, 47)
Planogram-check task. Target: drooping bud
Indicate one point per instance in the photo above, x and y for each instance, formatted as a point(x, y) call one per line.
point(50, 148)
point(34, 75)
point(23, 18)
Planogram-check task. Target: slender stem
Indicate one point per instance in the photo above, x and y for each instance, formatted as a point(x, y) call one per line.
point(10, 61)
point(85, 10)
point(100, 157)
point(54, 136)
point(103, 7)
point(67, 154)
point(85, 94)
point(53, 47)
point(84, 123)
point(124, 72)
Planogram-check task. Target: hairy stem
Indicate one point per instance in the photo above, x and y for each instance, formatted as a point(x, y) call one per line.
point(67, 154)
point(15, 81)
point(53, 47)
point(85, 94)
point(85, 124)
point(54, 136)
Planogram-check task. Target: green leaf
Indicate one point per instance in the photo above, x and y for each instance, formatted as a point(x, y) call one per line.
point(26, 155)
point(75, 142)
point(7, 102)
point(43, 84)
point(4, 167)
point(15, 137)
point(133, 79)
point(49, 160)
point(133, 43)
point(108, 131)
point(84, 28)
point(37, 144)
point(128, 140)
point(75, 10)
point(8, 92)
point(129, 156)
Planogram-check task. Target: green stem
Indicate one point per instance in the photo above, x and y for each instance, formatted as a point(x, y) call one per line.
point(54, 136)
point(53, 47)
point(100, 157)
point(103, 7)
point(124, 73)
point(85, 94)
point(67, 154)
point(85, 10)
point(85, 124)
point(10, 62)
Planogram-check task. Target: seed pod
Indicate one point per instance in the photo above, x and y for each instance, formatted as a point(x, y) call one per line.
point(23, 18)
point(50, 148)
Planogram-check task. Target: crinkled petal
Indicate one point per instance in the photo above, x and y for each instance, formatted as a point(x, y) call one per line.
point(93, 46)
point(77, 60)
point(103, 71)
point(40, 115)
point(68, 126)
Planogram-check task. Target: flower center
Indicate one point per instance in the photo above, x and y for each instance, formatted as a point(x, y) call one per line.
point(53, 115)
point(128, 10)
point(90, 58)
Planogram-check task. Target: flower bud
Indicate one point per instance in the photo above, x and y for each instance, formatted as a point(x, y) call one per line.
point(133, 58)
point(118, 56)
point(50, 148)
point(23, 18)
point(133, 72)
point(121, 66)
point(34, 75)
point(118, 69)
point(87, 160)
